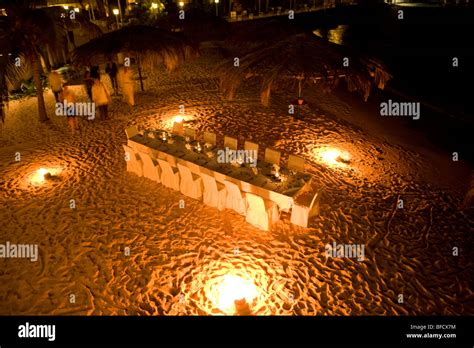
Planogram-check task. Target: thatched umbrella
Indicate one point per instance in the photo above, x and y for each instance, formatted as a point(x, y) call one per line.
point(304, 59)
point(149, 45)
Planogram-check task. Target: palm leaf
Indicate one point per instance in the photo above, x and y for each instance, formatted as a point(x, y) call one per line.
point(307, 59)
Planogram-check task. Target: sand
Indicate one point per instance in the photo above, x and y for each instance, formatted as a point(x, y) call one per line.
point(127, 248)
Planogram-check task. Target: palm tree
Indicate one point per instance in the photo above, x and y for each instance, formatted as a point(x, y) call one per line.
point(26, 34)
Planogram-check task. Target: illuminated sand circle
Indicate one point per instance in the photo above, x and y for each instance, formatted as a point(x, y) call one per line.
point(236, 287)
point(39, 176)
point(332, 156)
point(226, 290)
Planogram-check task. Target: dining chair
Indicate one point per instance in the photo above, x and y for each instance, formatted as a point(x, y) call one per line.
point(169, 175)
point(303, 208)
point(178, 128)
point(261, 213)
point(215, 194)
point(190, 132)
point(151, 170)
point(134, 162)
point(210, 138)
point(235, 199)
point(272, 156)
point(191, 184)
point(252, 148)
point(296, 163)
point(230, 142)
point(131, 131)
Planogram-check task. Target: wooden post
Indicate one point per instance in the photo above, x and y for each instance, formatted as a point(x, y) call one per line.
point(140, 73)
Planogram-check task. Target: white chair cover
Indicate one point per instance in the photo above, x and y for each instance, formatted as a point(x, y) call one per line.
point(169, 175)
point(296, 163)
point(134, 163)
point(230, 142)
point(304, 209)
point(191, 184)
point(151, 170)
point(235, 199)
point(131, 132)
point(272, 156)
point(261, 213)
point(215, 194)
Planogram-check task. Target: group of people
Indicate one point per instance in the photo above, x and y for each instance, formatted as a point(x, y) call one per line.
point(121, 81)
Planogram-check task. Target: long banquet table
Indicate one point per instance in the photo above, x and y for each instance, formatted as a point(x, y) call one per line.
point(262, 183)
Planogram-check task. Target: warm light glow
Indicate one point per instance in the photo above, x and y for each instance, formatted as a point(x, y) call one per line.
point(66, 7)
point(154, 5)
point(38, 176)
point(231, 288)
point(115, 11)
point(333, 156)
point(181, 4)
point(76, 9)
point(178, 119)
point(216, 1)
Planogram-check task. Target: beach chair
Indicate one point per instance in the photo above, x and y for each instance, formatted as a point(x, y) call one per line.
point(134, 162)
point(215, 194)
point(235, 199)
point(304, 207)
point(230, 142)
point(261, 213)
point(131, 132)
point(210, 138)
point(151, 170)
point(169, 175)
point(296, 163)
point(191, 184)
point(272, 156)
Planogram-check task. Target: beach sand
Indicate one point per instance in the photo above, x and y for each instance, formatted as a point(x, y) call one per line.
point(175, 256)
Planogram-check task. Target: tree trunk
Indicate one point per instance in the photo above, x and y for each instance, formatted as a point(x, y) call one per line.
point(39, 87)
point(140, 73)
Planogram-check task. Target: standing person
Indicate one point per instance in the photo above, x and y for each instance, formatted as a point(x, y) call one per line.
point(67, 97)
point(88, 82)
point(111, 70)
point(101, 98)
point(95, 73)
point(125, 79)
point(55, 82)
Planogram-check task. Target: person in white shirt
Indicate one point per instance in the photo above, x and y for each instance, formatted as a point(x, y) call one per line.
point(101, 98)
